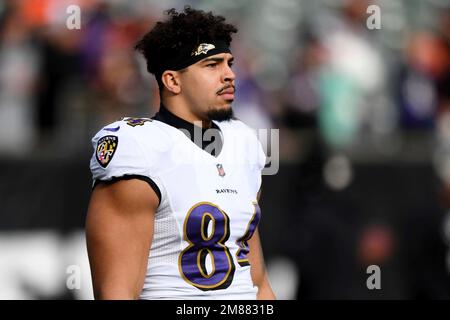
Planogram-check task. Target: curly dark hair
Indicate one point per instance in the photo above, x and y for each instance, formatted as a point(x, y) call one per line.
point(181, 29)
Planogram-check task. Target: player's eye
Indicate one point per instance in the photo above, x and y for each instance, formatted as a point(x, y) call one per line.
point(211, 65)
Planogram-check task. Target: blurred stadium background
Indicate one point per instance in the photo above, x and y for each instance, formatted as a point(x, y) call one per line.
point(364, 119)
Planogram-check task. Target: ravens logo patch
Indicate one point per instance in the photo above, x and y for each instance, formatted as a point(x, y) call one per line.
point(106, 147)
point(203, 48)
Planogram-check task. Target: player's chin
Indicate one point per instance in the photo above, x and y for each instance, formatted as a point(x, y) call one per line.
point(222, 112)
point(225, 104)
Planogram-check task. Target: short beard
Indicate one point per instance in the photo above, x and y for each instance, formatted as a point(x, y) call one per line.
point(220, 115)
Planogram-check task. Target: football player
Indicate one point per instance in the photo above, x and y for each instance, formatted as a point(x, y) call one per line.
point(172, 215)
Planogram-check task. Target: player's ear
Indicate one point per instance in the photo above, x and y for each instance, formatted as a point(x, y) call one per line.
point(171, 81)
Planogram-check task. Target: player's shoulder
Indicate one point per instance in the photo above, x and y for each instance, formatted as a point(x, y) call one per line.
point(133, 137)
point(127, 146)
point(249, 137)
point(125, 126)
point(133, 128)
point(233, 124)
point(239, 128)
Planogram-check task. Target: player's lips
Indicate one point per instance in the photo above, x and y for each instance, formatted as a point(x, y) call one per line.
point(227, 93)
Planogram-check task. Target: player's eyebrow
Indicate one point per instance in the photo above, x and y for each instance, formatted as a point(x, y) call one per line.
point(218, 60)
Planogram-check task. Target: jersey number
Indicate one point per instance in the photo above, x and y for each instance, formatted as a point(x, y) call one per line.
point(204, 244)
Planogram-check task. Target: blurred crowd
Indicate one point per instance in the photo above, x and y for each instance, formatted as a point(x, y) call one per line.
point(300, 65)
point(339, 91)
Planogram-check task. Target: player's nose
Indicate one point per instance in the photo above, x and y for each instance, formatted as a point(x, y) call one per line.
point(228, 74)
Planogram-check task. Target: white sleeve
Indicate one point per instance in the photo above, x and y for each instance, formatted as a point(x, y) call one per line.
point(118, 156)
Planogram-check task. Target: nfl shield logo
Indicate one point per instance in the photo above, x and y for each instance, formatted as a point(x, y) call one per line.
point(220, 169)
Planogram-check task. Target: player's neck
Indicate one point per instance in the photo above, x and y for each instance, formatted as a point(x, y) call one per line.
point(182, 111)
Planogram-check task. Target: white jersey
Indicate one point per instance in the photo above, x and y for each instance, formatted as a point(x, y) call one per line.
point(208, 207)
